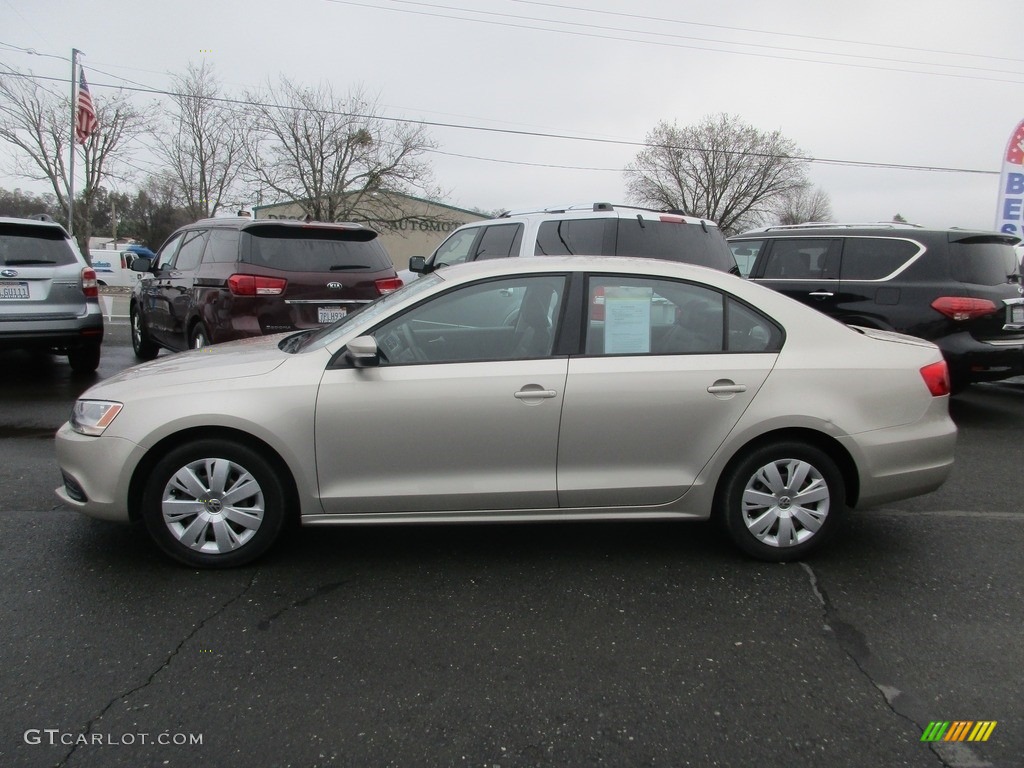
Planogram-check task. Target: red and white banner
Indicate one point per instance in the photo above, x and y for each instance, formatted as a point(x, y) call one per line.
point(1010, 211)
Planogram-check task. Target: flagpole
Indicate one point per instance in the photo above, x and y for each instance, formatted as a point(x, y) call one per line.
point(74, 115)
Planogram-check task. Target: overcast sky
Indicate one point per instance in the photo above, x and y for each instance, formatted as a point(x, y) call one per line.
point(929, 83)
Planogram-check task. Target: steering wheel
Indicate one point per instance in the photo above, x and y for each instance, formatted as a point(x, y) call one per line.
point(410, 343)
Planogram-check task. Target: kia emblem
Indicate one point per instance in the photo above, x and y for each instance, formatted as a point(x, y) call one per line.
point(334, 286)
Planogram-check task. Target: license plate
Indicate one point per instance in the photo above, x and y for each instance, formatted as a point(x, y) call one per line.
point(13, 290)
point(1017, 314)
point(327, 315)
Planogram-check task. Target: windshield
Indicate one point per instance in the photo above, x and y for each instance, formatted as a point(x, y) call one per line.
point(320, 338)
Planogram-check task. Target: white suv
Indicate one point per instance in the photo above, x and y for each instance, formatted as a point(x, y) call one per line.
point(597, 229)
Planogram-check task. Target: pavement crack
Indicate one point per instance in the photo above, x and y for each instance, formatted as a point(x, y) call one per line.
point(323, 589)
point(166, 663)
point(903, 705)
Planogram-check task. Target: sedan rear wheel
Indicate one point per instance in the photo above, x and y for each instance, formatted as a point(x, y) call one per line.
point(214, 504)
point(782, 501)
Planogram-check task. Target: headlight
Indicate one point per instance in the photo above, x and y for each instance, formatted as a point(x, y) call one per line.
point(91, 417)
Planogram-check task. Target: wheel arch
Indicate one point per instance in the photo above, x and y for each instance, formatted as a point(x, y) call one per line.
point(826, 443)
point(146, 465)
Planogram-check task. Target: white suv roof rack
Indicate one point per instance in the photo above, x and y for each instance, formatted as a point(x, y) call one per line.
point(596, 207)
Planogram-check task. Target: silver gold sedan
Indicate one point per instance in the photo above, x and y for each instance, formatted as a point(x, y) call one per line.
point(521, 390)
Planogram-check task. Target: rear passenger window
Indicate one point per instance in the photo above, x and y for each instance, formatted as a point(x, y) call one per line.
point(875, 258)
point(802, 259)
point(651, 316)
point(222, 247)
point(573, 237)
point(500, 241)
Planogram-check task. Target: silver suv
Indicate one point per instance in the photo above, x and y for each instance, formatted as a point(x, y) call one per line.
point(49, 298)
point(595, 229)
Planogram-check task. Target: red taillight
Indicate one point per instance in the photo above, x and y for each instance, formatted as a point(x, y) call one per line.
point(388, 284)
point(963, 308)
point(936, 378)
point(256, 285)
point(89, 285)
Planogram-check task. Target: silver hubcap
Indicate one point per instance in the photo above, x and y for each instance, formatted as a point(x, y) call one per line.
point(785, 502)
point(199, 340)
point(136, 329)
point(213, 506)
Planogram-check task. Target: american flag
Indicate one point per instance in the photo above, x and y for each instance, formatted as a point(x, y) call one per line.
point(86, 123)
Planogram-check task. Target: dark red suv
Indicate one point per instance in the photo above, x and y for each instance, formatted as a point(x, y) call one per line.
point(225, 279)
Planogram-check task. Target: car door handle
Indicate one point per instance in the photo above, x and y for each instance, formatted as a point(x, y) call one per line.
point(535, 394)
point(821, 294)
point(726, 387)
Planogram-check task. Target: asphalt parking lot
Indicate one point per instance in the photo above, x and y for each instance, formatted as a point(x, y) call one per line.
point(530, 645)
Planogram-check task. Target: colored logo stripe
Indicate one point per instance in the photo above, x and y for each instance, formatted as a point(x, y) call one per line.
point(958, 730)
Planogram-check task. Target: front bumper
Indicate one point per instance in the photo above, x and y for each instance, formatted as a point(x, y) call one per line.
point(98, 472)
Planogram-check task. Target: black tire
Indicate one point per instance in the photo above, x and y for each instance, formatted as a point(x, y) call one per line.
point(145, 348)
point(84, 358)
point(198, 337)
point(204, 531)
point(769, 525)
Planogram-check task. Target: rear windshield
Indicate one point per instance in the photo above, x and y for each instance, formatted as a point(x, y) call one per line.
point(984, 261)
point(674, 241)
point(25, 246)
point(309, 249)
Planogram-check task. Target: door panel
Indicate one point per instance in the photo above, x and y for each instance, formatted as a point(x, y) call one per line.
point(638, 429)
point(447, 437)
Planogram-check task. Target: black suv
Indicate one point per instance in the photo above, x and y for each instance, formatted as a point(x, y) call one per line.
point(960, 289)
point(226, 279)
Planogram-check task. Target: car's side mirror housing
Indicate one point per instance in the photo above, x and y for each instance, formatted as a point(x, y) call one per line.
point(141, 264)
point(417, 264)
point(362, 352)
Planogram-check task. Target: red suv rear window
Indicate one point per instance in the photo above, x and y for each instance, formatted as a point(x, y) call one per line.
point(313, 249)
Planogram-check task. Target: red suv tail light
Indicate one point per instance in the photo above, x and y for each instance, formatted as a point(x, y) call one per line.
point(388, 284)
point(256, 285)
point(936, 378)
point(963, 308)
point(89, 285)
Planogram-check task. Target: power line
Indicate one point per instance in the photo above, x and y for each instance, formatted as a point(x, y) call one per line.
point(515, 132)
point(845, 41)
point(619, 38)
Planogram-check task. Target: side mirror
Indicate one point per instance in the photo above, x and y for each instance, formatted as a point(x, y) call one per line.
point(362, 352)
point(141, 264)
point(417, 264)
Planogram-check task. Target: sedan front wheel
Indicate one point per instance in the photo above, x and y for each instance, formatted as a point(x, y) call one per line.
point(782, 501)
point(214, 504)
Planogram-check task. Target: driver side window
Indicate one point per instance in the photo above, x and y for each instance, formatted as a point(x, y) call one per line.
point(508, 319)
point(455, 249)
point(166, 255)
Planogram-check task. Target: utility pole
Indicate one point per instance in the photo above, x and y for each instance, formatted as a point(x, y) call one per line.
point(71, 148)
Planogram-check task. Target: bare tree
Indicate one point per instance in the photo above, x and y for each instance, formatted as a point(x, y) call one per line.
point(335, 157)
point(721, 169)
point(37, 122)
point(204, 148)
point(802, 205)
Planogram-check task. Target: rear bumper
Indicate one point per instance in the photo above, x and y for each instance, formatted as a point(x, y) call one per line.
point(50, 333)
point(905, 461)
point(971, 360)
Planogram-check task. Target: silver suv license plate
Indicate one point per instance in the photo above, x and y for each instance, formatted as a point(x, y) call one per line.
point(13, 290)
